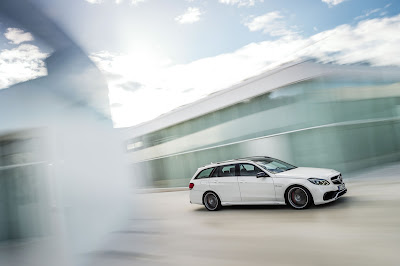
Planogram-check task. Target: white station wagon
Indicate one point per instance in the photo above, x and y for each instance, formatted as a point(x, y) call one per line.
point(263, 180)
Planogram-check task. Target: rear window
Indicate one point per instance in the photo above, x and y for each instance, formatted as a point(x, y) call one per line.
point(205, 173)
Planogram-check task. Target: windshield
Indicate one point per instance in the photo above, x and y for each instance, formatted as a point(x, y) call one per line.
point(274, 165)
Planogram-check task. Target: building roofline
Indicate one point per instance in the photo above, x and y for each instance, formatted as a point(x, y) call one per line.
point(284, 75)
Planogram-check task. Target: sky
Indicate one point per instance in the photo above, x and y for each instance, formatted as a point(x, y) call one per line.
point(158, 55)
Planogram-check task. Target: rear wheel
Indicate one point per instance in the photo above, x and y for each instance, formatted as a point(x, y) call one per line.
point(211, 201)
point(298, 197)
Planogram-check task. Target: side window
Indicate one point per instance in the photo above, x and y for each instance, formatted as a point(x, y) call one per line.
point(205, 173)
point(249, 170)
point(225, 170)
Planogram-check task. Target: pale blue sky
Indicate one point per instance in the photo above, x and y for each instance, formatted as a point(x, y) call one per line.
point(116, 27)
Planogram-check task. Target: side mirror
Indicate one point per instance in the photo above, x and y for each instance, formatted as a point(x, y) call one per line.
point(261, 174)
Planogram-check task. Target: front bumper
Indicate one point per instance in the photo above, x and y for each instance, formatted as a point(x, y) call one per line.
point(334, 194)
point(325, 194)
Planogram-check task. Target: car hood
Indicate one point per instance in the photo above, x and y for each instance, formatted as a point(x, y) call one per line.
point(307, 172)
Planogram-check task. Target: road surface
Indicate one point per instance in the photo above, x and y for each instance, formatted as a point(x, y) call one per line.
point(361, 228)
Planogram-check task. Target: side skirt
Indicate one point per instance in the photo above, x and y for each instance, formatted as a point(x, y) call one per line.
point(253, 203)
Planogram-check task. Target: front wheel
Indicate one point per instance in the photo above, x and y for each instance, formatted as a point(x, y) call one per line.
point(211, 201)
point(298, 197)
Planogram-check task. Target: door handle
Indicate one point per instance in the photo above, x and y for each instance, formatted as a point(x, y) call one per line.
point(241, 181)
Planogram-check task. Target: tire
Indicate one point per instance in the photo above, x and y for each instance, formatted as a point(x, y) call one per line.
point(298, 197)
point(211, 201)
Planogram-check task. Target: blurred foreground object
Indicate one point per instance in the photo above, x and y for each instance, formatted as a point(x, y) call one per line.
point(62, 181)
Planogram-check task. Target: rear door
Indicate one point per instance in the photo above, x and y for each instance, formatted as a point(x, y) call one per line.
point(253, 189)
point(224, 181)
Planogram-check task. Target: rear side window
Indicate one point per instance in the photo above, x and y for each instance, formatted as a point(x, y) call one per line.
point(205, 173)
point(226, 170)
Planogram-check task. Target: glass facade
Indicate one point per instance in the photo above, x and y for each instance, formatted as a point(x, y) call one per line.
point(342, 122)
point(23, 188)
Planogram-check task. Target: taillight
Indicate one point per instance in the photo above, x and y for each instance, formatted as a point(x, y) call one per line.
point(191, 185)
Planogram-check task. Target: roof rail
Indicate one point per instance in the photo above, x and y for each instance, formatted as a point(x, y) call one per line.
point(252, 157)
point(244, 158)
point(226, 161)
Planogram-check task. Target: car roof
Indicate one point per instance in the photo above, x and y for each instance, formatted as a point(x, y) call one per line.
point(252, 158)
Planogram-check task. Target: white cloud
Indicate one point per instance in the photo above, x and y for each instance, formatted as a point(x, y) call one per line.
point(271, 23)
point(94, 1)
point(370, 12)
point(191, 15)
point(17, 36)
point(240, 3)
point(20, 64)
point(332, 3)
point(136, 2)
point(375, 41)
point(167, 86)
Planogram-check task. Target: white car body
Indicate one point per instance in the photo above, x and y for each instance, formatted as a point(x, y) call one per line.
point(253, 190)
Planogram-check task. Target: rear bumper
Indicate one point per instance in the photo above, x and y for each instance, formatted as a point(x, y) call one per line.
point(196, 196)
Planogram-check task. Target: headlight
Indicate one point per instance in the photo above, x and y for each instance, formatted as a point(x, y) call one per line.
point(318, 181)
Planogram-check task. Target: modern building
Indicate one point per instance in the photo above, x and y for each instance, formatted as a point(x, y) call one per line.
point(344, 117)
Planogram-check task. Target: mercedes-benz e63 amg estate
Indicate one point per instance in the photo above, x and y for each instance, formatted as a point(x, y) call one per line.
point(263, 180)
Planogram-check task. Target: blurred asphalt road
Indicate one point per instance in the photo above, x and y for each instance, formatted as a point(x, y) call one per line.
point(361, 228)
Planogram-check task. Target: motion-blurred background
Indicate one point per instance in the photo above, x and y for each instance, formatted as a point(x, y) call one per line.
point(107, 108)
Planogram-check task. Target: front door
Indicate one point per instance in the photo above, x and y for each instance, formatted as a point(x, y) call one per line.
point(253, 189)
